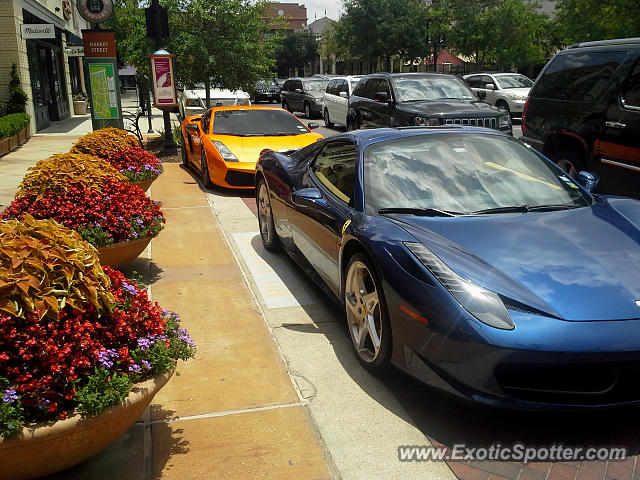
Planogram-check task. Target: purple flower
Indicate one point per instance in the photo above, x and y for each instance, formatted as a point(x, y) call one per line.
point(44, 404)
point(135, 368)
point(140, 222)
point(134, 234)
point(130, 289)
point(146, 364)
point(184, 336)
point(144, 344)
point(105, 357)
point(10, 396)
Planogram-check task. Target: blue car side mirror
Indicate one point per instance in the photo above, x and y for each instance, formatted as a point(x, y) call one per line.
point(588, 180)
point(311, 198)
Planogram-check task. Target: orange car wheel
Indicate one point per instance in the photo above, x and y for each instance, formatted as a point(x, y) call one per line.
point(204, 170)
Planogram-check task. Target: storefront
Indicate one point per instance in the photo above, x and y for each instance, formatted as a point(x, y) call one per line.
point(48, 80)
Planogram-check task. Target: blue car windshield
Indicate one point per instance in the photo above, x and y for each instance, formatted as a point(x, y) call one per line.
point(463, 173)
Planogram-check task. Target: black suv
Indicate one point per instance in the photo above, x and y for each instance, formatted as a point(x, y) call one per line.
point(583, 112)
point(401, 99)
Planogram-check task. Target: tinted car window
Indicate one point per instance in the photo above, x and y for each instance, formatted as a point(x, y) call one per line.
point(579, 76)
point(372, 87)
point(286, 86)
point(632, 88)
point(475, 82)
point(335, 168)
point(342, 87)
point(315, 85)
point(359, 90)
point(256, 123)
point(332, 87)
point(204, 123)
point(486, 81)
point(462, 173)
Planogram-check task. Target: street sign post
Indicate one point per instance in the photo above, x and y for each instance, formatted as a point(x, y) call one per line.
point(101, 71)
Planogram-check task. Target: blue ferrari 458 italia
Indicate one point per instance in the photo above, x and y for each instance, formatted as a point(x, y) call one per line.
point(467, 259)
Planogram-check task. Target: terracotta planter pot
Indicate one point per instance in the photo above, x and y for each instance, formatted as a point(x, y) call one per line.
point(46, 449)
point(121, 253)
point(144, 184)
point(80, 107)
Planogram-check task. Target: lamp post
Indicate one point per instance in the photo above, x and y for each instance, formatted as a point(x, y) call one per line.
point(156, 12)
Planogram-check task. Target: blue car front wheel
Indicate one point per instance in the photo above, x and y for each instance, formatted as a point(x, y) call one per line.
point(367, 315)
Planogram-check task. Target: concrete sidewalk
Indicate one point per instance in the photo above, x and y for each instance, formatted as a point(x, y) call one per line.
point(233, 412)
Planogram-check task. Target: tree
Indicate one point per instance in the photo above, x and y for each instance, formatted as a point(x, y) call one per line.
point(294, 50)
point(375, 29)
point(585, 20)
point(219, 42)
point(17, 97)
point(504, 33)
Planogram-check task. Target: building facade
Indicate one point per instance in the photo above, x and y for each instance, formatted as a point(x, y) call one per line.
point(49, 76)
point(294, 15)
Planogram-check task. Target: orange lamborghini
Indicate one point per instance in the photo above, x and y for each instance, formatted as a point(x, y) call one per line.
point(225, 142)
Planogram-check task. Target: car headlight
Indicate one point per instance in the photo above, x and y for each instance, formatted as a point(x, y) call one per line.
point(192, 102)
point(225, 153)
point(426, 122)
point(483, 304)
point(504, 120)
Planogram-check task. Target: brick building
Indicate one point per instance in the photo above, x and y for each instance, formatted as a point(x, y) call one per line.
point(295, 15)
point(49, 76)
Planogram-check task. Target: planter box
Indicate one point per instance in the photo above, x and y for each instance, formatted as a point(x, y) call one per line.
point(43, 449)
point(121, 253)
point(80, 107)
point(4, 146)
point(22, 137)
point(13, 142)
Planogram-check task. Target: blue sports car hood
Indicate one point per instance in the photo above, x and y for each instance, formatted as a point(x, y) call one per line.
point(579, 265)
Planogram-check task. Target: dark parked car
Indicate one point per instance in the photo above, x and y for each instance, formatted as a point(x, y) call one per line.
point(304, 95)
point(468, 259)
point(266, 91)
point(422, 99)
point(583, 111)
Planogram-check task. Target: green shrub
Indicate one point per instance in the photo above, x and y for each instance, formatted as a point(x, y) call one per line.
point(17, 97)
point(11, 124)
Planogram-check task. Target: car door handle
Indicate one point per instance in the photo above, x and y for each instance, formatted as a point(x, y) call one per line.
point(615, 124)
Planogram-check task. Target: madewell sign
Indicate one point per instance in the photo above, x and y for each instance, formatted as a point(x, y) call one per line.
point(37, 30)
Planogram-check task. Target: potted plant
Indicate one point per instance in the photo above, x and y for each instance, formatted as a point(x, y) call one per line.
point(118, 218)
point(80, 104)
point(138, 165)
point(82, 349)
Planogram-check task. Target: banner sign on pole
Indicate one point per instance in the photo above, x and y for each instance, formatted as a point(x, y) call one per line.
point(101, 70)
point(164, 85)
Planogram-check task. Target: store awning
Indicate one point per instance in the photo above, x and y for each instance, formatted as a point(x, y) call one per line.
point(72, 39)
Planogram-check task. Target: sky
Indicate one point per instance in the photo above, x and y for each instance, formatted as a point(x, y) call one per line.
point(317, 7)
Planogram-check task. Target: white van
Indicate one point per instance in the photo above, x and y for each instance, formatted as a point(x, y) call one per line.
point(336, 100)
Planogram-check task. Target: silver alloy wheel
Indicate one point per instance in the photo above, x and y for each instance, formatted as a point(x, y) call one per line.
point(363, 311)
point(264, 213)
point(569, 168)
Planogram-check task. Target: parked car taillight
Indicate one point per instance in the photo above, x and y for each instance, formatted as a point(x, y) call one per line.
point(524, 116)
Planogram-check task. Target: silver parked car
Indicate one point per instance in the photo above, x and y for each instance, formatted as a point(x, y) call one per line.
point(504, 90)
point(304, 95)
point(192, 101)
point(336, 100)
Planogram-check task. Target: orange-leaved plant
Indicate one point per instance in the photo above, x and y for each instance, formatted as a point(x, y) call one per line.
point(45, 266)
point(104, 141)
point(58, 172)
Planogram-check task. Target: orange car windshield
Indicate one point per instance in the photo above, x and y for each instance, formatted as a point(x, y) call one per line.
point(257, 123)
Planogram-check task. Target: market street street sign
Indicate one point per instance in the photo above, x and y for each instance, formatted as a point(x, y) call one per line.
point(37, 30)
